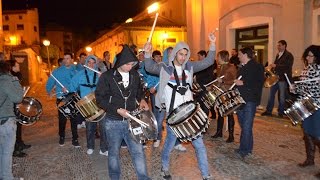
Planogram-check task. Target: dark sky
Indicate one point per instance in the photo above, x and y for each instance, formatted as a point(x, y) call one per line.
point(81, 14)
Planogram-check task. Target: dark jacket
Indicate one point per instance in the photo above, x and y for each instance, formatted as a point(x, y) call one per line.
point(253, 78)
point(110, 92)
point(284, 65)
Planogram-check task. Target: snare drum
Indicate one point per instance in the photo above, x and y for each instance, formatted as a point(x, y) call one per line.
point(28, 111)
point(211, 96)
point(229, 101)
point(188, 121)
point(67, 105)
point(301, 110)
point(89, 109)
point(140, 133)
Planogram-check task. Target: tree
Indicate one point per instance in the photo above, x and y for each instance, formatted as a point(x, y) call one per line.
point(53, 53)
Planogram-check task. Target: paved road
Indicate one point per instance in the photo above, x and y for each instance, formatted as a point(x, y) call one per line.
point(278, 148)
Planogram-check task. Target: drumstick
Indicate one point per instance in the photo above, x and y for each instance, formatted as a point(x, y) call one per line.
point(285, 74)
point(25, 90)
point(153, 26)
point(156, 85)
point(58, 82)
point(307, 80)
point(213, 81)
point(91, 69)
point(235, 83)
point(137, 120)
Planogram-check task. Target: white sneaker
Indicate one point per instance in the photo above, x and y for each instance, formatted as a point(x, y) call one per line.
point(83, 125)
point(89, 151)
point(103, 153)
point(180, 148)
point(156, 143)
point(79, 126)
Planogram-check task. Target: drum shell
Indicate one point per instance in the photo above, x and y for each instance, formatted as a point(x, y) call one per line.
point(190, 126)
point(139, 133)
point(229, 101)
point(28, 111)
point(67, 105)
point(88, 108)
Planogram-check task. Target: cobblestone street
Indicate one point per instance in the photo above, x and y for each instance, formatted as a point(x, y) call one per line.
point(278, 148)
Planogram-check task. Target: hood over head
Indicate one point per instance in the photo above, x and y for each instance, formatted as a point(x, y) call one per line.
point(91, 57)
point(178, 47)
point(125, 56)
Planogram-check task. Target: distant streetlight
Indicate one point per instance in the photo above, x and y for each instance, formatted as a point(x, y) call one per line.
point(88, 49)
point(47, 44)
point(153, 8)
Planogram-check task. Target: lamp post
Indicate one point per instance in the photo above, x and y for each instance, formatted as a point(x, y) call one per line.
point(47, 44)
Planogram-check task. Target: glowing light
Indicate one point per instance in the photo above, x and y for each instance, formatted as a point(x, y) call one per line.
point(153, 7)
point(88, 49)
point(46, 42)
point(129, 20)
point(13, 40)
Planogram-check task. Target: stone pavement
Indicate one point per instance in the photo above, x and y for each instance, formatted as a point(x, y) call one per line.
point(278, 148)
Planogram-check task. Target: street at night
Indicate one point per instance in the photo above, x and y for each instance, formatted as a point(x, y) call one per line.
point(278, 148)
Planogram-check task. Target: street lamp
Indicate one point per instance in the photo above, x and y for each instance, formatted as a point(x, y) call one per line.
point(47, 44)
point(88, 49)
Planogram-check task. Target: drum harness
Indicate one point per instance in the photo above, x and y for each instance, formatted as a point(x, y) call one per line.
point(91, 86)
point(181, 89)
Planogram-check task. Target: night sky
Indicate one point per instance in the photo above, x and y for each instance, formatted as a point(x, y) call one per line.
point(81, 14)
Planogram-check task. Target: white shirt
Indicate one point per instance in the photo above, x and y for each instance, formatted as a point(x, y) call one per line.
point(179, 99)
point(125, 78)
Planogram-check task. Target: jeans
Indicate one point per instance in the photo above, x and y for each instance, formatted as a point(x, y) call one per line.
point(245, 117)
point(7, 141)
point(116, 131)
point(91, 128)
point(311, 125)
point(198, 144)
point(280, 86)
point(62, 126)
point(159, 115)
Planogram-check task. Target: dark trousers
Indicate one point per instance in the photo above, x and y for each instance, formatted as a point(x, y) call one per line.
point(62, 126)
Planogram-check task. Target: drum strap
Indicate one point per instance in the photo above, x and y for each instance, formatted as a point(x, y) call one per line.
point(88, 81)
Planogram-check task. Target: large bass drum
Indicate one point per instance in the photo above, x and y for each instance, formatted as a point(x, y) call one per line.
point(188, 121)
point(142, 133)
point(28, 111)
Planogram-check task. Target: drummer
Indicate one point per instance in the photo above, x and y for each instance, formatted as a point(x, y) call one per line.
point(85, 82)
point(311, 125)
point(64, 75)
point(174, 90)
point(117, 92)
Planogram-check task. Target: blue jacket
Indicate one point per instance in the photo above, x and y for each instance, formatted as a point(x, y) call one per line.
point(151, 79)
point(64, 75)
point(79, 82)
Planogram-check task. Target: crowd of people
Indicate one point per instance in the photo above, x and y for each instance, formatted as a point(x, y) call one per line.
point(161, 84)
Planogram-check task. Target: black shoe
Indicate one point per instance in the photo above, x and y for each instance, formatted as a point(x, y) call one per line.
point(317, 175)
point(25, 146)
point(306, 163)
point(165, 174)
point(61, 141)
point(280, 115)
point(217, 135)
point(230, 139)
point(266, 113)
point(75, 143)
point(19, 154)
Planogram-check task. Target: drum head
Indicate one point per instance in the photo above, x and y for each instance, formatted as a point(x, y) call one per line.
point(28, 111)
point(182, 112)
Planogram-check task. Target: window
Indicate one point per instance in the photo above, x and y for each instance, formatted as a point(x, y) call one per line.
point(20, 27)
point(35, 29)
point(5, 27)
point(6, 18)
point(20, 17)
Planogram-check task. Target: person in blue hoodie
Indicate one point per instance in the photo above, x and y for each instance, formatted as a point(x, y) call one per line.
point(64, 74)
point(85, 82)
